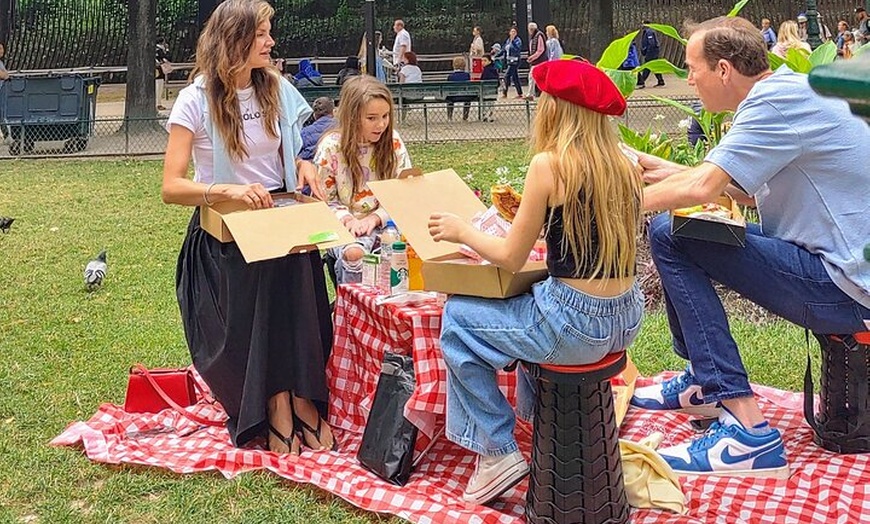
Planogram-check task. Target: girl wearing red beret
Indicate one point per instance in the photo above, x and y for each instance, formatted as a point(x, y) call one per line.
point(585, 193)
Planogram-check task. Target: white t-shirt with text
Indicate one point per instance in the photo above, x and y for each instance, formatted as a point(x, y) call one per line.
point(263, 163)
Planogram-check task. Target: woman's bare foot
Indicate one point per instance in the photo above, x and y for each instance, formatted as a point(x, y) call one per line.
point(316, 433)
point(282, 435)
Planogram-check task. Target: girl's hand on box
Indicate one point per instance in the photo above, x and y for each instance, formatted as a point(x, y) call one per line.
point(446, 226)
point(363, 226)
point(255, 196)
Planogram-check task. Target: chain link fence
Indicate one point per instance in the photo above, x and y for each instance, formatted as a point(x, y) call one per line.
point(506, 119)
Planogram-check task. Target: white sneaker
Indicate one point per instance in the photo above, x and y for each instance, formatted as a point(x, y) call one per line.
point(729, 449)
point(680, 393)
point(494, 476)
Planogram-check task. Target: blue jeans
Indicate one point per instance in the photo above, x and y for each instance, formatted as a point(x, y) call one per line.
point(512, 75)
point(777, 275)
point(553, 324)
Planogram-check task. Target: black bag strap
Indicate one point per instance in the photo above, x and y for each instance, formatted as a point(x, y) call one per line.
point(173, 404)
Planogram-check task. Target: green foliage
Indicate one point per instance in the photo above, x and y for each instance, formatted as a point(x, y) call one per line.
point(738, 7)
point(676, 149)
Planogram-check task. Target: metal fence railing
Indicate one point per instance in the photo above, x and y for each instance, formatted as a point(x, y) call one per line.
point(510, 120)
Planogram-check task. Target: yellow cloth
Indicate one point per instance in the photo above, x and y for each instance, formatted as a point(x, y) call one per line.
point(649, 480)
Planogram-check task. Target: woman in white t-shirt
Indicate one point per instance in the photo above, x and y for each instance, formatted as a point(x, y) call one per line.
point(410, 72)
point(258, 333)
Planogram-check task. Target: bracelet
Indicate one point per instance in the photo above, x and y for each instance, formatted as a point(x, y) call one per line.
point(205, 195)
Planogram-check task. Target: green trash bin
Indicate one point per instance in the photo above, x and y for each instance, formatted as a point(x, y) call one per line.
point(49, 108)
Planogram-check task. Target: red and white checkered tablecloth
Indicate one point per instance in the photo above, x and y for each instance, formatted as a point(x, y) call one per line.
point(823, 487)
point(363, 332)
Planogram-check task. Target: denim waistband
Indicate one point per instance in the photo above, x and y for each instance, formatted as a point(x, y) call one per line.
point(590, 304)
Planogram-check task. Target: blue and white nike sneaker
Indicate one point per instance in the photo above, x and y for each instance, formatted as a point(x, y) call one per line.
point(729, 449)
point(682, 393)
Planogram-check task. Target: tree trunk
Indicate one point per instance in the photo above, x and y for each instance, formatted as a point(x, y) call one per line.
point(5, 22)
point(600, 27)
point(141, 101)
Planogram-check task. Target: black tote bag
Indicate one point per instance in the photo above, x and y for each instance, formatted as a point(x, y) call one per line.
point(387, 448)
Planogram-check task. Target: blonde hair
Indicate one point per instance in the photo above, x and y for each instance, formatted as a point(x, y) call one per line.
point(598, 181)
point(788, 35)
point(458, 62)
point(552, 32)
point(356, 93)
point(222, 53)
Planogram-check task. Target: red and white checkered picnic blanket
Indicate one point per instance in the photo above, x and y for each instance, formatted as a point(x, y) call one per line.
point(363, 332)
point(823, 487)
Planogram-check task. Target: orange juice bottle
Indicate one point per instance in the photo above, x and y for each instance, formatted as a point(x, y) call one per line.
point(415, 269)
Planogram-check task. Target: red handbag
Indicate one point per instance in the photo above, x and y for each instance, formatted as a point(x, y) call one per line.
point(150, 391)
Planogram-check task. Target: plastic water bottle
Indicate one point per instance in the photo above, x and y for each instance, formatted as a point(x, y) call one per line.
point(388, 236)
point(399, 268)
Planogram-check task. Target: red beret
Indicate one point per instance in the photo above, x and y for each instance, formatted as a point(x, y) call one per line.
point(580, 83)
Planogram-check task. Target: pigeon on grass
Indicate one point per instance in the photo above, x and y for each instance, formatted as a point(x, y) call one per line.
point(6, 223)
point(95, 271)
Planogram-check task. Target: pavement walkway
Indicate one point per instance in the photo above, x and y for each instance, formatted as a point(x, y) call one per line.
point(110, 97)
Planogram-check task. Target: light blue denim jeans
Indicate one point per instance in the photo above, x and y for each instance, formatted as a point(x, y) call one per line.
point(554, 324)
point(351, 272)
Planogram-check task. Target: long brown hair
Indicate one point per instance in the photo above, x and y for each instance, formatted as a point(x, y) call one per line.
point(356, 92)
point(222, 52)
point(586, 160)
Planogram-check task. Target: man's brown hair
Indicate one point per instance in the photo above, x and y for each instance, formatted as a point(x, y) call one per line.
point(733, 39)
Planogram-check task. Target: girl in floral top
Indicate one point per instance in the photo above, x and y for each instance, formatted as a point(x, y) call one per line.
point(365, 147)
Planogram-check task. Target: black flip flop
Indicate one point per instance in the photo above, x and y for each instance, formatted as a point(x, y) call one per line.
point(286, 440)
point(315, 432)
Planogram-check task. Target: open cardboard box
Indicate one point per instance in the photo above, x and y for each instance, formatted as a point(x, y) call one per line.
point(704, 229)
point(411, 198)
point(297, 224)
point(623, 388)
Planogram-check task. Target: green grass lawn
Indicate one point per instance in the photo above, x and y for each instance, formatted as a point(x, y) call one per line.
point(64, 351)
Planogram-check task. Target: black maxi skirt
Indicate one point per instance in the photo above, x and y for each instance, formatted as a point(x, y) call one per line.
point(253, 330)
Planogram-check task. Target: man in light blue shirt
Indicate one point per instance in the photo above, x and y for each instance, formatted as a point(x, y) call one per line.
point(785, 153)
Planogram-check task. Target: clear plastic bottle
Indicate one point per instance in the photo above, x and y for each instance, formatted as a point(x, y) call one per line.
point(388, 236)
point(399, 268)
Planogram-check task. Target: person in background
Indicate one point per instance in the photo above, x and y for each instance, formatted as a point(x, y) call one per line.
point(632, 60)
point(410, 72)
point(402, 44)
point(489, 73)
point(476, 49)
point(537, 55)
point(161, 57)
point(849, 45)
point(802, 27)
point(259, 334)
point(459, 74)
point(842, 29)
point(365, 147)
point(511, 52)
point(380, 52)
point(768, 33)
point(650, 49)
point(307, 76)
point(554, 45)
point(4, 74)
point(863, 30)
point(323, 121)
point(785, 153)
point(380, 70)
point(351, 68)
point(585, 193)
point(788, 38)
